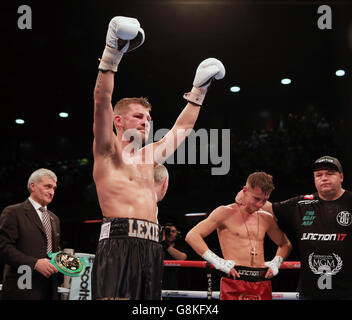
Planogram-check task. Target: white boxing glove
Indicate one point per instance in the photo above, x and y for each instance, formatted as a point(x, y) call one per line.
point(123, 28)
point(275, 264)
point(219, 263)
point(207, 70)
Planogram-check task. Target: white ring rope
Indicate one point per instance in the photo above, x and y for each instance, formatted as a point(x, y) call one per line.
point(204, 294)
point(216, 294)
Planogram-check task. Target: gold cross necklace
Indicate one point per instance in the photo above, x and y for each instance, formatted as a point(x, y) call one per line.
point(253, 251)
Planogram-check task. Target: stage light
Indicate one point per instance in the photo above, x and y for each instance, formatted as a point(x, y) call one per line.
point(235, 89)
point(196, 214)
point(340, 73)
point(63, 114)
point(286, 81)
point(19, 121)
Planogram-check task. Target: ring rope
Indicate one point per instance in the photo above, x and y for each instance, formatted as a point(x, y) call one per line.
point(203, 264)
point(203, 294)
point(216, 295)
point(208, 294)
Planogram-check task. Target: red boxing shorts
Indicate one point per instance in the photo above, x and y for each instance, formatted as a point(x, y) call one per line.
point(252, 286)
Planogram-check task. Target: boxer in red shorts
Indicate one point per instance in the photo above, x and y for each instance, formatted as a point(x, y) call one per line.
point(241, 230)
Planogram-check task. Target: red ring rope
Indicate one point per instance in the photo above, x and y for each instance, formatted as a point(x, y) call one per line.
point(203, 264)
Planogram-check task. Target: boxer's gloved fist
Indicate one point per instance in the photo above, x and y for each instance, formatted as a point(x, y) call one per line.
point(219, 263)
point(124, 34)
point(124, 28)
point(206, 72)
point(275, 264)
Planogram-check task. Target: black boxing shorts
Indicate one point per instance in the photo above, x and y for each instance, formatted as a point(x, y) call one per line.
point(129, 260)
point(251, 285)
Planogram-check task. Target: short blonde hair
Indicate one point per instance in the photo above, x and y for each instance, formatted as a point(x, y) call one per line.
point(123, 105)
point(160, 173)
point(261, 180)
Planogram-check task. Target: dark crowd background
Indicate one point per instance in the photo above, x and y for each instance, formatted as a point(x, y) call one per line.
point(275, 128)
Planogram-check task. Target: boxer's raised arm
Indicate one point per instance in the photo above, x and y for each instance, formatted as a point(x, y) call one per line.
point(123, 35)
point(208, 70)
point(103, 114)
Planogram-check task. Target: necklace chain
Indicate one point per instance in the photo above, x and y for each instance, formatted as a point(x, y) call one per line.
point(252, 248)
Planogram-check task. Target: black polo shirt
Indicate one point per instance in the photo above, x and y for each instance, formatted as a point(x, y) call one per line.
point(323, 231)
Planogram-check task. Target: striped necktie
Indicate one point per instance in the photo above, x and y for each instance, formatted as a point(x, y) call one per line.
point(47, 228)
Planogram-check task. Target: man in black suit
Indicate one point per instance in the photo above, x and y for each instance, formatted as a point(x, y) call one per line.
point(28, 232)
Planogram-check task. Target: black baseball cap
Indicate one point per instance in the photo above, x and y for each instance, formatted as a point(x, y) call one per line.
point(327, 162)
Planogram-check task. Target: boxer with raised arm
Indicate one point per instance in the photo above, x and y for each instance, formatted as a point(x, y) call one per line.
point(129, 258)
point(241, 230)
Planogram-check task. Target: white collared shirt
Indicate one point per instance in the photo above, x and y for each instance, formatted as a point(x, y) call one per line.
point(36, 206)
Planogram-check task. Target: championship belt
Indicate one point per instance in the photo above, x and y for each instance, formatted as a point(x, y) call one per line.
point(66, 263)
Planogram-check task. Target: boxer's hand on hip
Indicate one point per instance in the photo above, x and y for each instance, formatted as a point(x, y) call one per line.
point(275, 265)
point(219, 263)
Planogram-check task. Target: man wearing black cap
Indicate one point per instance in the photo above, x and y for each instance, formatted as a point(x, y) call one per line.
point(322, 226)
